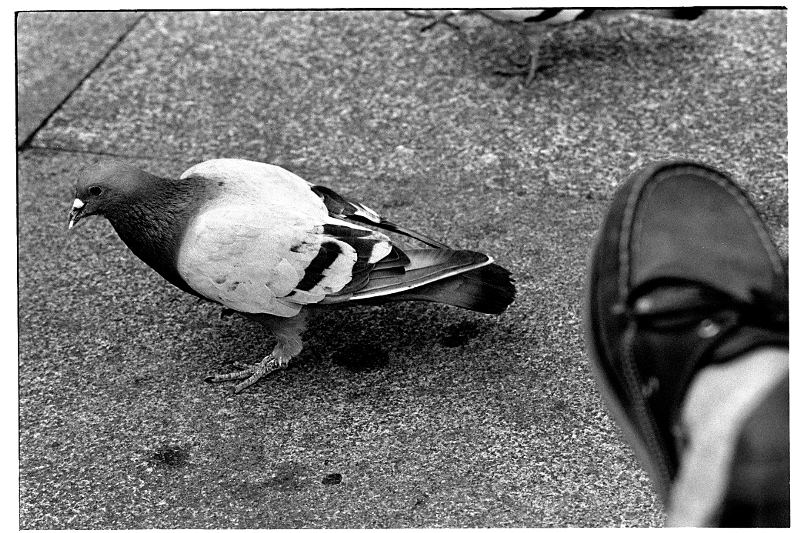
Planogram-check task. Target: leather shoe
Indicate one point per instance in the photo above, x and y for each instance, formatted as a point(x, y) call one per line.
point(682, 274)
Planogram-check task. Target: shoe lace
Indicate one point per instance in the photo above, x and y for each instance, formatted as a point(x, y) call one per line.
point(681, 304)
point(768, 310)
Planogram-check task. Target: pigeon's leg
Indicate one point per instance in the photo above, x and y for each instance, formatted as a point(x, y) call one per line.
point(534, 38)
point(289, 332)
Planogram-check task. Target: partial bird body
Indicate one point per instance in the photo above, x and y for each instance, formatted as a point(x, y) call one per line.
point(533, 25)
point(551, 16)
point(225, 257)
point(262, 241)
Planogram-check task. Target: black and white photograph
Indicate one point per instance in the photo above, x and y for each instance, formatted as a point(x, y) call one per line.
point(401, 267)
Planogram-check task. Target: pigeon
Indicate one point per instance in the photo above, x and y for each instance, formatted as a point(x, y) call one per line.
point(265, 243)
point(534, 24)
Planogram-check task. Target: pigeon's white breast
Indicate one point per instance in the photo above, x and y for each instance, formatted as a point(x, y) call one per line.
point(248, 246)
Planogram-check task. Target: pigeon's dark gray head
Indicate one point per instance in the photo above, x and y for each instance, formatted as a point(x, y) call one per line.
point(104, 187)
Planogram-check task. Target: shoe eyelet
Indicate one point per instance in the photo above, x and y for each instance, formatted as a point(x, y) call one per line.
point(643, 306)
point(619, 308)
point(708, 328)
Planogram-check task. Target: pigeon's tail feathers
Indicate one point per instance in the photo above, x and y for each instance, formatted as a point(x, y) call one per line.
point(488, 289)
point(678, 13)
point(557, 16)
point(456, 277)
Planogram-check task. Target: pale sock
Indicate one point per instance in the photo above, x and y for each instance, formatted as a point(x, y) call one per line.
point(719, 401)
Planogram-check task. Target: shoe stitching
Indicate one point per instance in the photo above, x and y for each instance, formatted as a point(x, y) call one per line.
point(654, 441)
point(656, 438)
point(650, 434)
point(625, 233)
point(755, 221)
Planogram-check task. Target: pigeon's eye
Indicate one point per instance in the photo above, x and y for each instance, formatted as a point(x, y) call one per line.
point(95, 191)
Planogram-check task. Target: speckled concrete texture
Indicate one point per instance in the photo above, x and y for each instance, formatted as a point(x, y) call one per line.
point(55, 52)
point(410, 415)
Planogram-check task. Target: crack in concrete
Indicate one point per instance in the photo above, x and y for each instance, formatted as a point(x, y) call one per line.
point(26, 144)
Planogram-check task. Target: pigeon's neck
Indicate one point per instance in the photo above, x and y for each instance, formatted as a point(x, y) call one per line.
point(153, 225)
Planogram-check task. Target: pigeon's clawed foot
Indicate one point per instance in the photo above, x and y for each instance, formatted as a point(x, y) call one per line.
point(289, 332)
point(514, 68)
point(250, 373)
point(523, 62)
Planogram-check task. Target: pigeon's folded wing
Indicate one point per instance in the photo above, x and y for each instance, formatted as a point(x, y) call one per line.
point(266, 243)
point(345, 209)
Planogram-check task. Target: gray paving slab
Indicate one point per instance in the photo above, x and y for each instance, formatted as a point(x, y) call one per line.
point(55, 52)
point(432, 416)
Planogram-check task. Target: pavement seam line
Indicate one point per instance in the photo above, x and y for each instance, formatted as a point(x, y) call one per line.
point(26, 144)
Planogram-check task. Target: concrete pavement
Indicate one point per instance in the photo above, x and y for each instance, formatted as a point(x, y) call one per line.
point(432, 416)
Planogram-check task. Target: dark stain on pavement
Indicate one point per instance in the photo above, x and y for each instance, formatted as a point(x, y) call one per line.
point(461, 333)
point(362, 357)
point(171, 456)
point(286, 477)
point(332, 479)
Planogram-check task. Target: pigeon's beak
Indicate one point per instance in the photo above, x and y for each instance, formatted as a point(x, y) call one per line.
point(76, 213)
